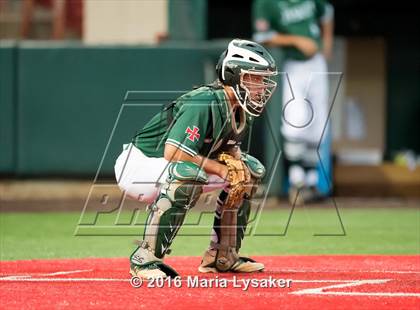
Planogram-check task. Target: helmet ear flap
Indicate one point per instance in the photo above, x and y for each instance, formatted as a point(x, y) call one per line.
point(229, 76)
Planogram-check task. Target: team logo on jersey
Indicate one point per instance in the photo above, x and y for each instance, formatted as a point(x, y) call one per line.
point(192, 133)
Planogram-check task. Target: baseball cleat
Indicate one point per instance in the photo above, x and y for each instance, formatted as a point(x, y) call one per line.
point(246, 264)
point(243, 264)
point(299, 195)
point(149, 271)
point(312, 195)
point(208, 262)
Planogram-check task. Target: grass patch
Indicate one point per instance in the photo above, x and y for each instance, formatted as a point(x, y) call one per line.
point(368, 231)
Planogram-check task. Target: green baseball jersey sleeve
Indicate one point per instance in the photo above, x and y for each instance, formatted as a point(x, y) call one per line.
point(185, 125)
point(190, 127)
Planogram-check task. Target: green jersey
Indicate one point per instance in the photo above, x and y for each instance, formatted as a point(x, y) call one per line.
point(199, 122)
point(291, 17)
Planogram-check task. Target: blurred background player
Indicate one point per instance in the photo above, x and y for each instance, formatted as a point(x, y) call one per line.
point(304, 30)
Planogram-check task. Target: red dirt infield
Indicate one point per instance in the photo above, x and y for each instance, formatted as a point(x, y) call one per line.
point(316, 282)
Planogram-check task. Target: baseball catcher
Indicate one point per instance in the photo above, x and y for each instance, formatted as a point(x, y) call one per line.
point(193, 146)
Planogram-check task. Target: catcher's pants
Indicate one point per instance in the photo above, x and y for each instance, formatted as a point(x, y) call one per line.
point(304, 117)
point(141, 176)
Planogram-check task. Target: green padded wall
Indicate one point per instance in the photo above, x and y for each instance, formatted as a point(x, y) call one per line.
point(70, 98)
point(7, 107)
point(187, 19)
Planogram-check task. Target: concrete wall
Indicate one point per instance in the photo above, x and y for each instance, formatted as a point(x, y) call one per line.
point(124, 22)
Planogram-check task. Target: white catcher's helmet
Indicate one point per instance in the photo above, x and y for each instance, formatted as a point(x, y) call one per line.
point(249, 69)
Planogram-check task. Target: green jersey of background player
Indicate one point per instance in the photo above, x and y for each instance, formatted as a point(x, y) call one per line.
point(190, 134)
point(294, 25)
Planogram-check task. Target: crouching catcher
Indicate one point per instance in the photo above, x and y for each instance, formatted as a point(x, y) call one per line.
point(193, 147)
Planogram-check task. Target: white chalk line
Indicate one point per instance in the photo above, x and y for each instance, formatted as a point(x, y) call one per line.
point(59, 273)
point(50, 274)
point(14, 277)
point(349, 284)
point(322, 290)
point(371, 294)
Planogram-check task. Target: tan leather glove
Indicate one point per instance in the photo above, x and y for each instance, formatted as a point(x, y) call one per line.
point(238, 177)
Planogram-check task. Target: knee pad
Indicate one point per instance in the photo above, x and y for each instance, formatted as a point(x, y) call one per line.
point(256, 168)
point(184, 184)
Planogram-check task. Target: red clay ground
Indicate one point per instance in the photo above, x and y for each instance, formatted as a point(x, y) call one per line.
point(318, 282)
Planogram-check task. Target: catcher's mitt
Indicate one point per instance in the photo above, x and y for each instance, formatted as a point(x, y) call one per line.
point(238, 177)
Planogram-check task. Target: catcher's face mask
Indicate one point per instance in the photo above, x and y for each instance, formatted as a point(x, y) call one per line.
point(257, 86)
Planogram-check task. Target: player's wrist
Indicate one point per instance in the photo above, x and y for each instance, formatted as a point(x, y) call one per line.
point(223, 171)
point(294, 40)
point(283, 39)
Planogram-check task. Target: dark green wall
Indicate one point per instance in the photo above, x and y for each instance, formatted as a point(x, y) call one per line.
point(187, 19)
point(70, 98)
point(7, 107)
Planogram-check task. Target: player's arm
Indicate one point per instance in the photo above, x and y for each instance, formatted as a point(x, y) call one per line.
point(173, 153)
point(306, 45)
point(264, 34)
